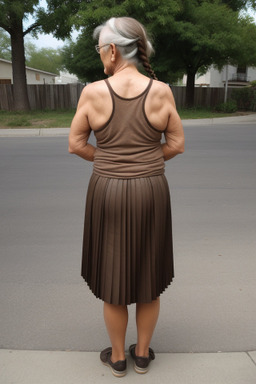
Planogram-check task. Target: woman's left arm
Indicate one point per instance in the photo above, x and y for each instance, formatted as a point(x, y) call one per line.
point(80, 131)
point(174, 134)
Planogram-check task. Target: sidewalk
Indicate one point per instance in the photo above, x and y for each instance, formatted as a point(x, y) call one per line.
point(43, 367)
point(48, 132)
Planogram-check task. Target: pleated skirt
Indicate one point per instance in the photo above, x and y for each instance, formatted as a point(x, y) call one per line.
point(127, 244)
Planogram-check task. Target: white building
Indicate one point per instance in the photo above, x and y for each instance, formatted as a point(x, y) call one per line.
point(34, 76)
point(237, 77)
point(66, 78)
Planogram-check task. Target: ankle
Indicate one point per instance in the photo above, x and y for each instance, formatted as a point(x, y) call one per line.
point(141, 351)
point(117, 357)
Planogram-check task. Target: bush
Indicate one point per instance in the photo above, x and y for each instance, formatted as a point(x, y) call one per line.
point(253, 83)
point(245, 98)
point(229, 107)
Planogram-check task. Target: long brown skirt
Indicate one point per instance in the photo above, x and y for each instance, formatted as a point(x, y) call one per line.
point(127, 245)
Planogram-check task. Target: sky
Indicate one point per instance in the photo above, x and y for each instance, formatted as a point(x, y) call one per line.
point(48, 41)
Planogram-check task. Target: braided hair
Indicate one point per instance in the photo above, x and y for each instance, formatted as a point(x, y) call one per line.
point(142, 55)
point(131, 40)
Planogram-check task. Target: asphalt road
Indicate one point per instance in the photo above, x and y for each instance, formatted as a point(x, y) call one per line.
point(45, 304)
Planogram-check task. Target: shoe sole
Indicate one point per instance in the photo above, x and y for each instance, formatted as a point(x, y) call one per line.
point(140, 370)
point(114, 372)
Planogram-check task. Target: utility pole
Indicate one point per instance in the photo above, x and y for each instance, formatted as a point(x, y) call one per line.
point(226, 85)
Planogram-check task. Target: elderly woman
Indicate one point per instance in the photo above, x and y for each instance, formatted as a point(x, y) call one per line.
point(127, 244)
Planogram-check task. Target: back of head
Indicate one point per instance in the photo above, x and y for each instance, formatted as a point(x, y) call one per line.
point(131, 40)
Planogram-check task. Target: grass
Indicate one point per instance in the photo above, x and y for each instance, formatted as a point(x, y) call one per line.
point(36, 119)
point(63, 118)
point(203, 113)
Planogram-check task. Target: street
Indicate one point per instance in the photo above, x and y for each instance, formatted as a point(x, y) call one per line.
point(210, 306)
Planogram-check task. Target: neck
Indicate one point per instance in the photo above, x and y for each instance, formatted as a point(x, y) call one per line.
point(125, 67)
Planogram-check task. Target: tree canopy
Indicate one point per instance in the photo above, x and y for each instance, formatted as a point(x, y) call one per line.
point(188, 35)
point(5, 46)
point(238, 5)
point(81, 58)
point(46, 59)
point(206, 33)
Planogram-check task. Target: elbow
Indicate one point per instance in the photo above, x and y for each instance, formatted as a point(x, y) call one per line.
point(178, 149)
point(71, 146)
point(71, 149)
point(181, 147)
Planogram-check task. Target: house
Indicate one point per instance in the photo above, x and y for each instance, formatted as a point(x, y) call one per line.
point(66, 78)
point(237, 77)
point(34, 76)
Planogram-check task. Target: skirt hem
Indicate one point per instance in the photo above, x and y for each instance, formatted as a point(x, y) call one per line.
point(130, 301)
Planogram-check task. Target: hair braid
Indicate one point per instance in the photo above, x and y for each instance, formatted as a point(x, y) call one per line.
point(144, 59)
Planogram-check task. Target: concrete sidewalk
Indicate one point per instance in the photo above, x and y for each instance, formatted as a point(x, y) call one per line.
point(48, 132)
point(42, 367)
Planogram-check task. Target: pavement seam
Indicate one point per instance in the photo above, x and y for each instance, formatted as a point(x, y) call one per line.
point(248, 354)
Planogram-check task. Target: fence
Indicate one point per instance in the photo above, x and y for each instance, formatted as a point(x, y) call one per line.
point(204, 96)
point(44, 96)
point(65, 96)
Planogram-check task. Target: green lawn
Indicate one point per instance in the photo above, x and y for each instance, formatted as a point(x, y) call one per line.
point(63, 118)
point(203, 113)
point(36, 119)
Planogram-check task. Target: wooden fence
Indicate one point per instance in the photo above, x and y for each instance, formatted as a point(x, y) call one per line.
point(204, 96)
point(44, 96)
point(65, 96)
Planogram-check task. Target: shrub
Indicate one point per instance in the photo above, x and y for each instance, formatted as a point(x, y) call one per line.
point(245, 98)
point(229, 107)
point(253, 83)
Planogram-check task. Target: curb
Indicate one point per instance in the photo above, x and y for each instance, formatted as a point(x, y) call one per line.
point(34, 132)
point(54, 132)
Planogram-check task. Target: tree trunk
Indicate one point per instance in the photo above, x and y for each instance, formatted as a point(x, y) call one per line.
point(20, 93)
point(190, 89)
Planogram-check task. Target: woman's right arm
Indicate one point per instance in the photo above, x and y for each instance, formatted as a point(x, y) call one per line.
point(174, 134)
point(80, 129)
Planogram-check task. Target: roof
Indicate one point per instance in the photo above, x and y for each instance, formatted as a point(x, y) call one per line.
point(31, 69)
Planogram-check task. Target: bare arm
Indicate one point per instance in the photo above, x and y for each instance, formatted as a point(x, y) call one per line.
point(174, 134)
point(80, 130)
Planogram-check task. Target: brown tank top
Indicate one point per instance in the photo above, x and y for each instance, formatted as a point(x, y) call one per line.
point(128, 146)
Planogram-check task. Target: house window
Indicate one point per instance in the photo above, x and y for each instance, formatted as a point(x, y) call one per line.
point(241, 73)
point(37, 76)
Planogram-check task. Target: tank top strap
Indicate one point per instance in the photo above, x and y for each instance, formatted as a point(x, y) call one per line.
point(148, 88)
point(109, 87)
point(142, 94)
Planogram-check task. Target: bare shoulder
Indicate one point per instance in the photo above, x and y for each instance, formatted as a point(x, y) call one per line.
point(94, 90)
point(162, 91)
point(159, 105)
point(95, 104)
point(160, 96)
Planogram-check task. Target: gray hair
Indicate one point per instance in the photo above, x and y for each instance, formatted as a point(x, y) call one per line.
point(128, 35)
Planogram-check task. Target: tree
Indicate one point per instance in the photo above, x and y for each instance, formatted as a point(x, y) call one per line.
point(5, 46)
point(238, 5)
point(46, 59)
point(206, 33)
point(81, 58)
point(189, 35)
point(56, 18)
